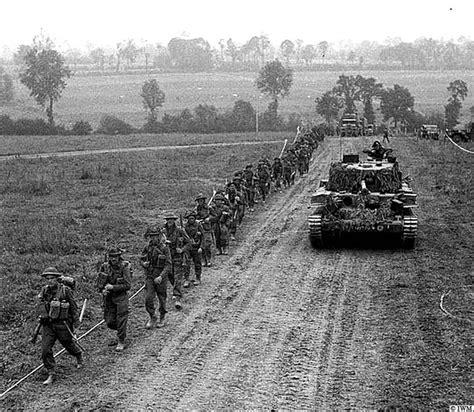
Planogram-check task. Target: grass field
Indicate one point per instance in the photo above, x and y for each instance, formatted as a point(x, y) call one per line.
point(89, 98)
point(10, 145)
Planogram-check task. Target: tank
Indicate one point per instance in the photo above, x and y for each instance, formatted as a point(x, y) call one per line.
point(361, 199)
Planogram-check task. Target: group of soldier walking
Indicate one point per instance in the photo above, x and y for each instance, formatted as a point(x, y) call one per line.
point(172, 250)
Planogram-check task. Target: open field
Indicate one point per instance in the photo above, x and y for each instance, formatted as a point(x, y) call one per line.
point(276, 324)
point(17, 145)
point(89, 98)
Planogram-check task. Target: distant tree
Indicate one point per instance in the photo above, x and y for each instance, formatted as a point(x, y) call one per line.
point(328, 106)
point(351, 56)
point(20, 54)
point(45, 75)
point(308, 54)
point(348, 88)
point(190, 54)
point(299, 48)
point(258, 45)
point(242, 117)
point(458, 90)
point(287, 48)
point(98, 57)
point(369, 89)
point(323, 48)
point(153, 98)
point(129, 51)
point(81, 128)
point(232, 50)
point(205, 117)
point(6, 87)
point(396, 104)
point(275, 81)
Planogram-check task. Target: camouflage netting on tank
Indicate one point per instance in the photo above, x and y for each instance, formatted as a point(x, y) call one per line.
point(360, 212)
point(343, 178)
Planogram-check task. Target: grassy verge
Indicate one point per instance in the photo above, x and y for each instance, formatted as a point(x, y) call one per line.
point(47, 144)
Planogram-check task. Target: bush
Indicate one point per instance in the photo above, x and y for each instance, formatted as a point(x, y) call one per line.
point(7, 125)
point(39, 127)
point(81, 128)
point(113, 125)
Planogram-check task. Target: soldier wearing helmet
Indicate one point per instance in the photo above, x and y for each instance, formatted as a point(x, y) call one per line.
point(156, 262)
point(221, 218)
point(179, 244)
point(195, 232)
point(58, 314)
point(202, 209)
point(114, 281)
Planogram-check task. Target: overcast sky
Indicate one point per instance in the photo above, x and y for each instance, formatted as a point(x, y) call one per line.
point(76, 23)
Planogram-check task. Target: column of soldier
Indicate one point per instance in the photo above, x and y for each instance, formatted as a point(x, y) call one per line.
point(167, 258)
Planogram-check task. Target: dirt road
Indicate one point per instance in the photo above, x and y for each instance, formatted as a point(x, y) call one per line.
point(278, 324)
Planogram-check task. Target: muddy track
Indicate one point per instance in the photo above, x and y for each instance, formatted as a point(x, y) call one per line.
point(279, 325)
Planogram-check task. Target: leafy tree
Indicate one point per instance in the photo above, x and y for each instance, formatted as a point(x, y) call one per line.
point(232, 50)
point(287, 50)
point(6, 87)
point(328, 106)
point(242, 117)
point(98, 56)
point(275, 81)
point(205, 117)
point(348, 88)
point(323, 48)
point(458, 90)
point(21, 52)
point(396, 104)
point(351, 56)
point(45, 75)
point(192, 54)
point(81, 128)
point(308, 54)
point(153, 98)
point(369, 88)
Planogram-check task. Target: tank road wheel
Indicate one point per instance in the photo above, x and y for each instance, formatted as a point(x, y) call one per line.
point(410, 229)
point(315, 231)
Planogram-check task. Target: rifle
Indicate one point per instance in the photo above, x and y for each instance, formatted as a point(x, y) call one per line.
point(74, 337)
point(36, 332)
point(213, 196)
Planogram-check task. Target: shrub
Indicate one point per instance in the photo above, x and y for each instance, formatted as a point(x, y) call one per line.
point(7, 125)
point(81, 128)
point(112, 125)
point(24, 127)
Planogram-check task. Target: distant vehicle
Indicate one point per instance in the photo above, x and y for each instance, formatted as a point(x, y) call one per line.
point(363, 198)
point(429, 131)
point(352, 125)
point(370, 130)
point(462, 135)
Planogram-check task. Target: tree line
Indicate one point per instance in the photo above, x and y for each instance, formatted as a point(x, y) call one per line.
point(45, 73)
point(184, 54)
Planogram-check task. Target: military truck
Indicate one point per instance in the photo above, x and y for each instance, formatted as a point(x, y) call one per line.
point(363, 198)
point(352, 125)
point(429, 131)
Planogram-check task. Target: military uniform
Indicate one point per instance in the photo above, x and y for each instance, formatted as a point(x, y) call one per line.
point(57, 320)
point(179, 244)
point(157, 264)
point(195, 232)
point(277, 172)
point(114, 281)
point(220, 219)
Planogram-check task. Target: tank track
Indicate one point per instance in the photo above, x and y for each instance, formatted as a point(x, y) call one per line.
point(315, 230)
point(410, 230)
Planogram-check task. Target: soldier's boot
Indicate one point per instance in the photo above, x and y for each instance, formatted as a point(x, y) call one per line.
point(225, 250)
point(197, 281)
point(120, 346)
point(186, 284)
point(151, 322)
point(177, 303)
point(232, 237)
point(161, 323)
point(49, 380)
point(79, 361)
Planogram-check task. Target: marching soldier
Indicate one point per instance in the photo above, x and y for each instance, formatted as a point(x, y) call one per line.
point(220, 219)
point(156, 261)
point(277, 172)
point(179, 244)
point(58, 314)
point(114, 281)
point(202, 209)
point(248, 177)
point(195, 232)
point(207, 241)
